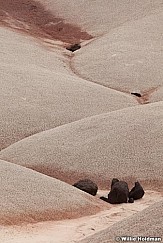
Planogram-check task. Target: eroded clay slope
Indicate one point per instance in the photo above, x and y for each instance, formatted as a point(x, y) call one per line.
point(124, 144)
point(29, 197)
point(128, 58)
point(39, 91)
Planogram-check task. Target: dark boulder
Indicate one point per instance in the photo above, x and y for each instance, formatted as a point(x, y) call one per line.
point(137, 191)
point(87, 186)
point(119, 192)
point(73, 47)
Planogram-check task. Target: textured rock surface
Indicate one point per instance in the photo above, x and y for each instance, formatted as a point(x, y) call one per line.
point(119, 192)
point(137, 191)
point(87, 185)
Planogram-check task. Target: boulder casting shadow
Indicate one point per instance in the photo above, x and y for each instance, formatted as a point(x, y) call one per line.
point(136, 192)
point(119, 192)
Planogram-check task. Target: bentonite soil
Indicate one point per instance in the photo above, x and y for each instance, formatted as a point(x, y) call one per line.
point(32, 18)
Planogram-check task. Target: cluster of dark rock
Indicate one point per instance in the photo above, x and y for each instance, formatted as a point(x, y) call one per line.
point(119, 192)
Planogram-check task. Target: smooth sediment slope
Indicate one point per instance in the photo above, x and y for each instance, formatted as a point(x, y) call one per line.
point(99, 17)
point(39, 91)
point(30, 197)
point(148, 222)
point(157, 96)
point(125, 144)
point(128, 58)
point(74, 230)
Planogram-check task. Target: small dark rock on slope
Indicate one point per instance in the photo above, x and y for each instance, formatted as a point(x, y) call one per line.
point(74, 47)
point(87, 185)
point(136, 94)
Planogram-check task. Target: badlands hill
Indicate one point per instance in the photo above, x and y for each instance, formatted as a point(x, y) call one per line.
point(68, 116)
point(39, 91)
point(27, 196)
point(125, 144)
point(124, 57)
